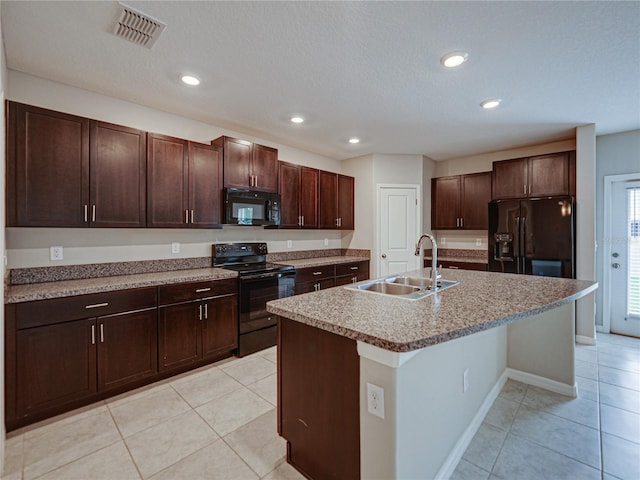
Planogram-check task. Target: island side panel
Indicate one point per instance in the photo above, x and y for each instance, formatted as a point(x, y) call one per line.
point(543, 347)
point(318, 401)
point(426, 411)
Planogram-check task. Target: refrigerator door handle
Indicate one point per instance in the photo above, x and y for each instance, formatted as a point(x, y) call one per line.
point(516, 247)
point(523, 239)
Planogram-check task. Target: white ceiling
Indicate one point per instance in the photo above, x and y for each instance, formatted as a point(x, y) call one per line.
point(366, 69)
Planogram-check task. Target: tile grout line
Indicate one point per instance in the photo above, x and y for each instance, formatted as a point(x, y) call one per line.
point(124, 443)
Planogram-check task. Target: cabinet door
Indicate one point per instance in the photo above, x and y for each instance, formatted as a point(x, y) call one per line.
point(237, 156)
point(167, 181)
point(265, 168)
point(328, 204)
point(179, 329)
point(509, 179)
point(289, 188)
point(117, 176)
point(220, 326)
point(474, 201)
point(56, 364)
point(309, 197)
point(549, 174)
point(127, 348)
point(47, 168)
point(345, 202)
point(445, 202)
point(205, 185)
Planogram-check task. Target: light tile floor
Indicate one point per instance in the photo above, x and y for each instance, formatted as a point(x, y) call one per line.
point(219, 422)
point(531, 433)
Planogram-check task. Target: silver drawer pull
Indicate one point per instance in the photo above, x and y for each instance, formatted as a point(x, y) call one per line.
point(451, 266)
point(97, 305)
point(317, 273)
point(93, 334)
point(200, 290)
point(353, 268)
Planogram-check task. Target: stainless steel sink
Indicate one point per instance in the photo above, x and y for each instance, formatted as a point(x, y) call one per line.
point(403, 286)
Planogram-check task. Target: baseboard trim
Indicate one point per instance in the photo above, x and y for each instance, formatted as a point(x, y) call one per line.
point(452, 460)
point(542, 382)
point(581, 339)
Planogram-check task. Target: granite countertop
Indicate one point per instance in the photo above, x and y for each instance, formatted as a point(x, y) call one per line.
point(65, 288)
point(460, 259)
point(319, 261)
point(481, 301)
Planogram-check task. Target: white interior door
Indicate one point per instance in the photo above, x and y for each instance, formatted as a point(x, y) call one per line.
point(398, 228)
point(625, 258)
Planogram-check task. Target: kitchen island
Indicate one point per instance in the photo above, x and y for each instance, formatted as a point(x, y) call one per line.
point(429, 369)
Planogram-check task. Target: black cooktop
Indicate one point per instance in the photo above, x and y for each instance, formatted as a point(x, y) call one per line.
point(245, 258)
point(246, 268)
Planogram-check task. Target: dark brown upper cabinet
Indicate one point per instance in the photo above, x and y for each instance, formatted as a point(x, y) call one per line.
point(248, 165)
point(460, 201)
point(183, 180)
point(47, 168)
point(117, 168)
point(298, 187)
point(336, 201)
point(69, 171)
point(542, 175)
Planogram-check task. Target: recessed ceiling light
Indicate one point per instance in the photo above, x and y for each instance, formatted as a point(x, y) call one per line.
point(489, 104)
point(454, 59)
point(190, 80)
point(354, 140)
point(297, 119)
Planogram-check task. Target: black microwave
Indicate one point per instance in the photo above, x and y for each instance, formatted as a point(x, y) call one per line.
point(249, 207)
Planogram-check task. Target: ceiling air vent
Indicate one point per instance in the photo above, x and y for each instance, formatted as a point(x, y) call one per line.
point(137, 27)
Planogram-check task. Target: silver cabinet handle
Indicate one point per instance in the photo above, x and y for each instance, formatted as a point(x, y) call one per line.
point(256, 184)
point(97, 305)
point(317, 273)
point(206, 311)
point(186, 216)
point(340, 222)
point(353, 268)
point(525, 188)
point(461, 222)
point(354, 279)
point(191, 216)
point(200, 290)
point(299, 221)
point(200, 312)
point(86, 213)
point(453, 267)
point(316, 287)
point(337, 225)
point(102, 333)
point(93, 213)
point(457, 222)
point(302, 220)
point(93, 334)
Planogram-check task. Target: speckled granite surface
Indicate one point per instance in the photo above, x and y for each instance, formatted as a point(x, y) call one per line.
point(20, 276)
point(280, 257)
point(459, 255)
point(317, 262)
point(478, 303)
point(42, 291)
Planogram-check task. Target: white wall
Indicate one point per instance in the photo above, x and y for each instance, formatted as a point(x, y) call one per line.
point(616, 154)
point(585, 228)
point(29, 247)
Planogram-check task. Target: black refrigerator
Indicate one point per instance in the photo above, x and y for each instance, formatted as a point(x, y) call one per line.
point(533, 236)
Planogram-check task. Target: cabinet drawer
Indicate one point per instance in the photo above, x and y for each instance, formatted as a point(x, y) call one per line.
point(354, 278)
point(463, 265)
point(355, 268)
point(185, 292)
point(56, 310)
point(315, 273)
point(307, 287)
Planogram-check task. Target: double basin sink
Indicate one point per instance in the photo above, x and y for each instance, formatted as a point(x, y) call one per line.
point(410, 287)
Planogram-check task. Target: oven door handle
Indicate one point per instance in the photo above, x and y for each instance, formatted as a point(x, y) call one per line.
point(261, 276)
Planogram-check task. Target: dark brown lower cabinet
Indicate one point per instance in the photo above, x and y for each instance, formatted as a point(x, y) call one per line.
point(318, 401)
point(203, 327)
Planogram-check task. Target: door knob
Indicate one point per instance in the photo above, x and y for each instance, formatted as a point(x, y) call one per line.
point(384, 255)
point(615, 265)
point(615, 254)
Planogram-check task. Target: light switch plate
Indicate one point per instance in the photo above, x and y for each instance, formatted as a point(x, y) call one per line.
point(289, 243)
point(478, 242)
point(175, 247)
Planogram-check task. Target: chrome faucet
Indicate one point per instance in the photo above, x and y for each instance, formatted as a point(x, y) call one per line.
point(434, 257)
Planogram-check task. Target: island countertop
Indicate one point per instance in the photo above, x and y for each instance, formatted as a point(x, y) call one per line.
point(481, 301)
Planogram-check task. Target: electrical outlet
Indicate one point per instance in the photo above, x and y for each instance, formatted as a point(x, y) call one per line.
point(465, 380)
point(444, 241)
point(175, 247)
point(326, 242)
point(289, 243)
point(55, 254)
point(375, 400)
point(478, 242)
